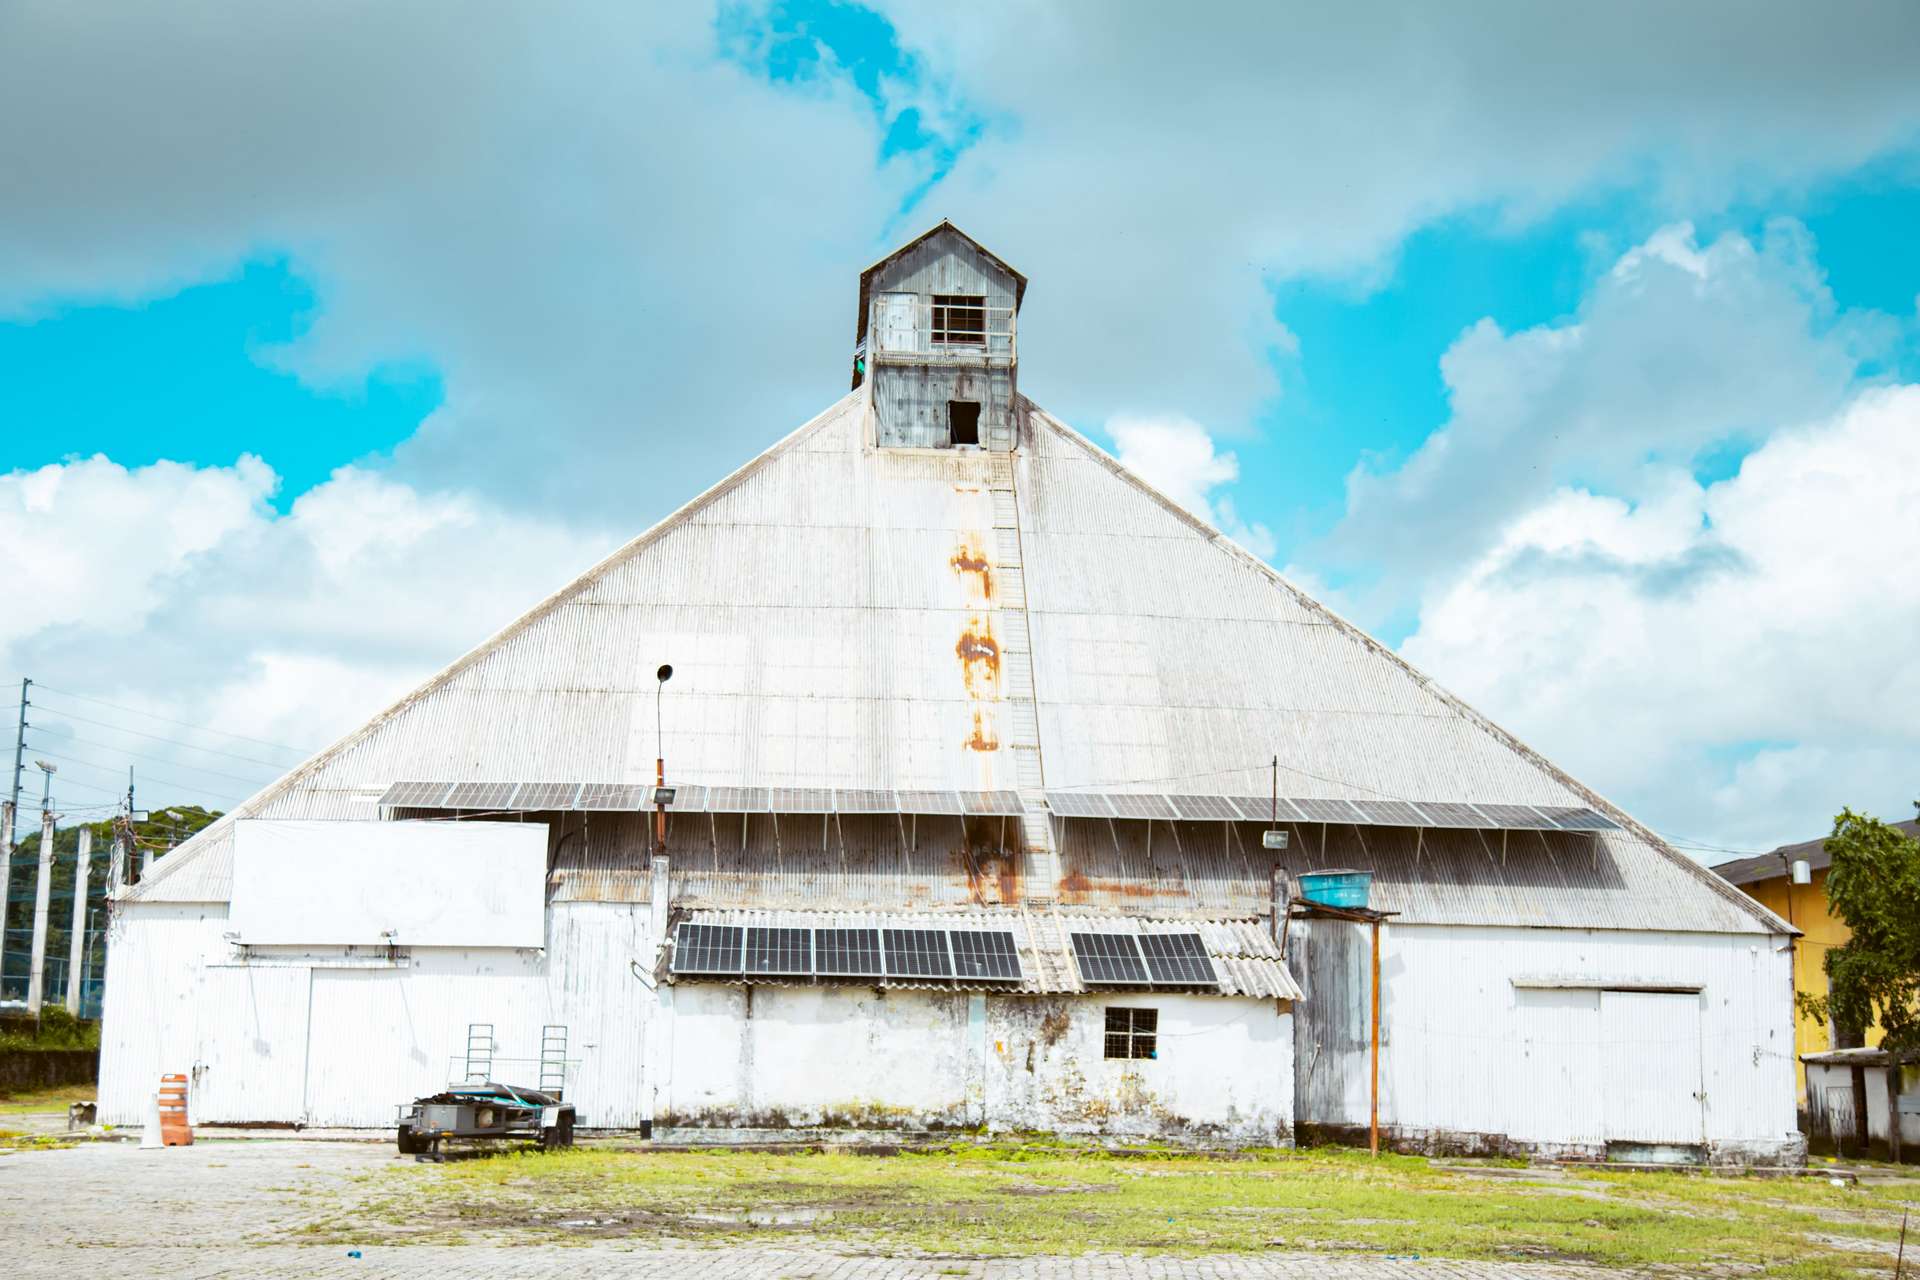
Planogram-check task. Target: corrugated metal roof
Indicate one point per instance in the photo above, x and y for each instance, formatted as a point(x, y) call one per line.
point(1776, 864)
point(818, 605)
point(1244, 954)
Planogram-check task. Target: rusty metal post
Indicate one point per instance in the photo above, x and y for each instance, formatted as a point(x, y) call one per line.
point(1373, 1125)
point(659, 809)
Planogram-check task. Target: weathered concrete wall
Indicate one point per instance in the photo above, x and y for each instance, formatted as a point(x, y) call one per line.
point(1480, 1052)
point(22, 1070)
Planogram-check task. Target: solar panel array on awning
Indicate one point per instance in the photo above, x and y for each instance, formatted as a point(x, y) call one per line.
point(1370, 812)
point(691, 798)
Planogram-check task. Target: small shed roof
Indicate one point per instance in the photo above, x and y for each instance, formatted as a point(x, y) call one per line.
point(1773, 865)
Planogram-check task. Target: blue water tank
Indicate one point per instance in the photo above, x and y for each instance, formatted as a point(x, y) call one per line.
point(1336, 888)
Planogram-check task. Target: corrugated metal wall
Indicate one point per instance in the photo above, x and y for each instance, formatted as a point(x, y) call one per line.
point(1465, 1052)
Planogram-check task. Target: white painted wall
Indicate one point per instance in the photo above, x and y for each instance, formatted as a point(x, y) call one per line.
point(337, 1039)
point(1830, 1098)
point(1468, 1055)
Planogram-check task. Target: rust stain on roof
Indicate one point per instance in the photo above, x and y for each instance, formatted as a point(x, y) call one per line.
point(979, 654)
point(970, 561)
point(983, 737)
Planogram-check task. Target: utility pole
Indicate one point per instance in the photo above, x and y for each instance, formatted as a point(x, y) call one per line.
point(42, 895)
point(9, 815)
point(77, 943)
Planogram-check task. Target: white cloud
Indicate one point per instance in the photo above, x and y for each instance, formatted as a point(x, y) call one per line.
point(177, 591)
point(1734, 661)
point(1177, 457)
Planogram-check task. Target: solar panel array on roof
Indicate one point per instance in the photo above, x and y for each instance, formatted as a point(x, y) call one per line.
point(847, 953)
point(865, 802)
point(1203, 808)
point(708, 948)
point(1265, 808)
point(1517, 817)
point(984, 954)
point(1328, 811)
point(481, 795)
point(802, 800)
point(928, 801)
point(1108, 958)
point(737, 799)
point(917, 953)
point(546, 795)
point(1440, 813)
point(1177, 959)
point(780, 951)
point(992, 803)
point(1127, 805)
point(1390, 813)
point(1572, 819)
point(415, 795)
point(619, 796)
point(1077, 804)
point(686, 799)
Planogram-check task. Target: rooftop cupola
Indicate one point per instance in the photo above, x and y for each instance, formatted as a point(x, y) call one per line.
point(936, 344)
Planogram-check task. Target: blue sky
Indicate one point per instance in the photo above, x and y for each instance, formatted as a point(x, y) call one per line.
point(1411, 346)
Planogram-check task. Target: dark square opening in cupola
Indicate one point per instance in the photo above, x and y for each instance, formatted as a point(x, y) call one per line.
point(963, 422)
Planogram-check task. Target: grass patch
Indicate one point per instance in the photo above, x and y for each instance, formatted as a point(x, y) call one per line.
point(10, 1140)
point(56, 1099)
point(1012, 1198)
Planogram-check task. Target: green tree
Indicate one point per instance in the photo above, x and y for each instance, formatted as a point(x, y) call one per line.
point(1874, 886)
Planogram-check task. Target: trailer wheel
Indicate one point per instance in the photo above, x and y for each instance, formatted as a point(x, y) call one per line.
point(408, 1144)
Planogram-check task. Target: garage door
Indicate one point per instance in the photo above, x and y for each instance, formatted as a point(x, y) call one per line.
point(1650, 1044)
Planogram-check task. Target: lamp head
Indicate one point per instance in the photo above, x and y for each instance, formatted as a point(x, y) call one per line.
point(664, 674)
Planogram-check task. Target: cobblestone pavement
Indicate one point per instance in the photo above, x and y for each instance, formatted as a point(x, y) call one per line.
point(109, 1210)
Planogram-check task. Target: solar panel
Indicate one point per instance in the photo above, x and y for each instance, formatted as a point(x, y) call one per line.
point(708, 948)
point(985, 954)
point(415, 795)
point(481, 795)
point(1573, 819)
point(989, 803)
point(685, 799)
point(1177, 959)
point(917, 953)
point(736, 799)
point(545, 795)
point(1446, 813)
point(928, 802)
point(1078, 804)
point(619, 796)
point(1261, 808)
point(1391, 813)
point(1141, 806)
point(1198, 808)
point(1328, 810)
point(780, 951)
point(1109, 957)
point(847, 953)
point(865, 802)
point(1517, 817)
point(802, 800)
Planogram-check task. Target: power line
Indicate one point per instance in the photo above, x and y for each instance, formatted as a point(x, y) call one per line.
point(197, 768)
point(191, 746)
point(185, 724)
point(154, 777)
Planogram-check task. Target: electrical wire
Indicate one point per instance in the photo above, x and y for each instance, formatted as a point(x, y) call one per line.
point(151, 777)
point(279, 746)
point(182, 764)
point(191, 746)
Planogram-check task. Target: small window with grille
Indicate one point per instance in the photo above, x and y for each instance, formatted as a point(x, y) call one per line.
point(959, 319)
point(1133, 1033)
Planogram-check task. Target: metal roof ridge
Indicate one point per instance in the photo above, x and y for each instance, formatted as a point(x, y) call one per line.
point(1702, 874)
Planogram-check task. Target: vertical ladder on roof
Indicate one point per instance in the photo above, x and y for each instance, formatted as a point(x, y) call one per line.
point(1017, 682)
point(553, 1059)
point(479, 1052)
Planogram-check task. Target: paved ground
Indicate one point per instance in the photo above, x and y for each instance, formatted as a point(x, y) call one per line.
point(229, 1208)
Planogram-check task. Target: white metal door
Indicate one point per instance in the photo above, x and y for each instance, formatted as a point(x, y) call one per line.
point(894, 330)
point(1650, 1044)
point(250, 1045)
point(374, 1042)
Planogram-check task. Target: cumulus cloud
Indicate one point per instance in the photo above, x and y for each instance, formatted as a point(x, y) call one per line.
point(1734, 660)
point(1178, 457)
point(1680, 350)
point(177, 591)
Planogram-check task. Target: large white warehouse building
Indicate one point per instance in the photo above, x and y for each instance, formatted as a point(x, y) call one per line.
point(973, 741)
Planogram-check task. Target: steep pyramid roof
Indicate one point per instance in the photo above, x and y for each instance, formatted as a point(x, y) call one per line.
point(841, 616)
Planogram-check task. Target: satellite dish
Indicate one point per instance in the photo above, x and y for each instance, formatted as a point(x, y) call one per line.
point(664, 674)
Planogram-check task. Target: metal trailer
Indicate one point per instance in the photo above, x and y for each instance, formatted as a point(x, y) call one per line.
point(486, 1110)
point(480, 1107)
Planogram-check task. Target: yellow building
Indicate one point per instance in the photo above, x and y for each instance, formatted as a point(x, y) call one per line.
point(1768, 878)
